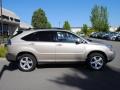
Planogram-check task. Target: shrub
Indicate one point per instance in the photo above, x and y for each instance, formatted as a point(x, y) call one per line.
point(3, 51)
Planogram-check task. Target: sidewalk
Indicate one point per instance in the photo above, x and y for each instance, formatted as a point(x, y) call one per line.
point(2, 59)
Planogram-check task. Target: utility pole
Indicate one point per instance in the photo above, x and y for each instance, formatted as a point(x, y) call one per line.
point(59, 24)
point(2, 34)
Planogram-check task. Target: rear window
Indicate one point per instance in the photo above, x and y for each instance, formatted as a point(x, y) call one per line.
point(46, 36)
point(31, 37)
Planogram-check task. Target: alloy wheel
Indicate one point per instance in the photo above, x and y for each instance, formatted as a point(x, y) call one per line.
point(96, 62)
point(26, 63)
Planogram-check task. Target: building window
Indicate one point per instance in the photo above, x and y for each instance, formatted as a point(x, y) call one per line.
point(17, 20)
point(5, 29)
point(5, 17)
point(11, 18)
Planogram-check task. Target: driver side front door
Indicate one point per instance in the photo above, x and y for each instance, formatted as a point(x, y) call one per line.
point(66, 48)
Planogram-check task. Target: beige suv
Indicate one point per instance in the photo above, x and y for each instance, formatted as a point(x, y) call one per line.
point(45, 46)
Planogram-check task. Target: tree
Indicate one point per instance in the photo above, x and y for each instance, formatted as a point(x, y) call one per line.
point(49, 25)
point(99, 18)
point(85, 29)
point(39, 19)
point(66, 26)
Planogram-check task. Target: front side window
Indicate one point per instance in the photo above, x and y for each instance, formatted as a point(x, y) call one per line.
point(66, 37)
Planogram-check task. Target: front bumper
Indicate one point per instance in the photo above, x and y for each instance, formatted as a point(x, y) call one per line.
point(10, 57)
point(111, 56)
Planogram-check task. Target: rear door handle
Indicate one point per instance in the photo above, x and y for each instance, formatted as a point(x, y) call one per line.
point(59, 44)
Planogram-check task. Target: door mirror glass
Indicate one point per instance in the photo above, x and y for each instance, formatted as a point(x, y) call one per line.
point(89, 40)
point(77, 41)
point(80, 41)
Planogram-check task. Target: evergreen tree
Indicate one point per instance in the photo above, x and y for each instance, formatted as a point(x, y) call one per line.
point(66, 26)
point(39, 19)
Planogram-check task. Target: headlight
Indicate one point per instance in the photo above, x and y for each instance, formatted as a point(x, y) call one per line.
point(110, 47)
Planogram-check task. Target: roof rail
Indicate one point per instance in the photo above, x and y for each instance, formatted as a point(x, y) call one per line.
point(42, 28)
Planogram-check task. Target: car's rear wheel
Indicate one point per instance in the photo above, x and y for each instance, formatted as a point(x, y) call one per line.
point(26, 62)
point(96, 61)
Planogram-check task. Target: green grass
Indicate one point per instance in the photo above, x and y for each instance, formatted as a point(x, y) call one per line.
point(3, 51)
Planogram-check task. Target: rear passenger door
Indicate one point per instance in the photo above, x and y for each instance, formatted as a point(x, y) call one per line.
point(46, 46)
point(43, 43)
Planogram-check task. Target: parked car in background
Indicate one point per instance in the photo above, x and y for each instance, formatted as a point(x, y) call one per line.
point(93, 35)
point(114, 36)
point(106, 35)
point(117, 38)
point(82, 34)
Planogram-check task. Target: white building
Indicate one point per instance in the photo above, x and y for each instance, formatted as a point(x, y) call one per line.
point(112, 29)
point(76, 29)
point(11, 22)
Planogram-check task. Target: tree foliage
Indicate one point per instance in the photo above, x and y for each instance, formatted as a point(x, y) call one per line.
point(39, 19)
point(85, 29)
point(78, 32)
point(99, 18)
point(49, 25)
point(66, 26)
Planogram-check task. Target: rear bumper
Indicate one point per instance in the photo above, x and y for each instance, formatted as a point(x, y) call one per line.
point(10, 57)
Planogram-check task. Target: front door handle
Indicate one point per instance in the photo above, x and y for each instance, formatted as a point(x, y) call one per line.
point(32, 44)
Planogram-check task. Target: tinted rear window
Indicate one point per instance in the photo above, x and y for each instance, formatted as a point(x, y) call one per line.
point(46, 36)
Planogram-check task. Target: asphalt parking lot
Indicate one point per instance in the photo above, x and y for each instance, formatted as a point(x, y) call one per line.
point(62, 77)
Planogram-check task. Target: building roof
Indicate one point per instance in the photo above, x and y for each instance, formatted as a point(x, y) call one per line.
point(25, 25)
point(9, 13)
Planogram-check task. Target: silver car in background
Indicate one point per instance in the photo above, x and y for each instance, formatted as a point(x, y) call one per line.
point(29, 48)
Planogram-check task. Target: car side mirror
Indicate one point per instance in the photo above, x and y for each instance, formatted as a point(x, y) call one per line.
point(89, 40)
point(77, 41)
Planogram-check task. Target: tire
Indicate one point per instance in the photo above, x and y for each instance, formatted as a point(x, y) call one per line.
point(26, 62)
point(96, 61)
point(113, 39)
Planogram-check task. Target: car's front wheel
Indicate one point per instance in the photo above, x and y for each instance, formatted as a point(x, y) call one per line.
point(96, 61)
point(26, 62)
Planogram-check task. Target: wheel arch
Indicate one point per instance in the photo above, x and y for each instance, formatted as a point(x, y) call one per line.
point(97, 51)
point(24, 52)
